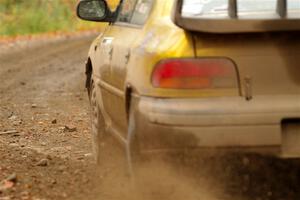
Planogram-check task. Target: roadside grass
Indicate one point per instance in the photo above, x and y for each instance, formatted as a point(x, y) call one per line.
point(26, 17)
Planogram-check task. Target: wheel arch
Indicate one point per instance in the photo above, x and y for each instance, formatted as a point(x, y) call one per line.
point(88, 72)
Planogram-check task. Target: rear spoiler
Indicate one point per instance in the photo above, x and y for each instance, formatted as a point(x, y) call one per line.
point(279, 21)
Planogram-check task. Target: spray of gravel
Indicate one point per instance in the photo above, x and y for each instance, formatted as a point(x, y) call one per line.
point(159, 178)
point(169, 181)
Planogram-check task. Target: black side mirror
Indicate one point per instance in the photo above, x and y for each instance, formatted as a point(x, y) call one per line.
point(94, 10)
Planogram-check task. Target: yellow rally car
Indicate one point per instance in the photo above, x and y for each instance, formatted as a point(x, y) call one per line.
point(168, 75)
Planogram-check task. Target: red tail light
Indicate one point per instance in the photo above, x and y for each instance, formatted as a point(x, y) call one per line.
point(202, 73)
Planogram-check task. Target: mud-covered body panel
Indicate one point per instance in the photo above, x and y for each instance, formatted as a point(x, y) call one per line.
point(270, 60)
point(250, 115)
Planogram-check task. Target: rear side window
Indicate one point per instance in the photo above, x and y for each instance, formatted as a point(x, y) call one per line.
point(135, 11)
point(141, 12)
point(127, 10)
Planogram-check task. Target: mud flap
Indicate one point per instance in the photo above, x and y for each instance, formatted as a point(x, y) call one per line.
point(291, 139)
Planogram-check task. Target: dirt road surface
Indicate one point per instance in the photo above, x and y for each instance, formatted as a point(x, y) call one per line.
point(45, 143)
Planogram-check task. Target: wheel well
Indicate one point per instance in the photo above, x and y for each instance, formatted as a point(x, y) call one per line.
point(128, 93)
point(88, 72)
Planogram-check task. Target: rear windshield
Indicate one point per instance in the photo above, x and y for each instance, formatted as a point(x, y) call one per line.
point(219, 8)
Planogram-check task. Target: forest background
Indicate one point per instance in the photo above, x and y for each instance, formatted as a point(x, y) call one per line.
point(30, 17)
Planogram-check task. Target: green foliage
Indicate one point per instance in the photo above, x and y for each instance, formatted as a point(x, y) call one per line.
point(19, 17)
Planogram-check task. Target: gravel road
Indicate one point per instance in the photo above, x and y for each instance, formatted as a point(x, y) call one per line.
point(45, 150)
point(44, 105)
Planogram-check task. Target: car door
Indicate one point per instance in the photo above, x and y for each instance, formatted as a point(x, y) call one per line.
point(120, 38)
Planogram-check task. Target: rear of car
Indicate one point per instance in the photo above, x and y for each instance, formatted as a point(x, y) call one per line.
point(246, 63)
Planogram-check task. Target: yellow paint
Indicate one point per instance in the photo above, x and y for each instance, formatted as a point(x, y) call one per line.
point(113, 3)
point(159, 39)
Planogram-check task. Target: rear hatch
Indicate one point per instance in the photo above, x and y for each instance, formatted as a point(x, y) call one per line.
point(267, 57)
point(269, 62)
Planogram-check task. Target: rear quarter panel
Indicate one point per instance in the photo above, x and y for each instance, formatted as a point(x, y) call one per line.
point(162, 39)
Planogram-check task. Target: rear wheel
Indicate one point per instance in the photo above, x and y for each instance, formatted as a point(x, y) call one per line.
point(109, 154)
point(98, 124)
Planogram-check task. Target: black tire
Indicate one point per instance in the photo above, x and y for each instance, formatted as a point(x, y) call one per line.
point(97, 120)
point(109, 156)
point(108, 153)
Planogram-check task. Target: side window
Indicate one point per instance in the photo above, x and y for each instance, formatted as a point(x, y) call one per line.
point(135, 11)
point(141, 12)
point(127, 11)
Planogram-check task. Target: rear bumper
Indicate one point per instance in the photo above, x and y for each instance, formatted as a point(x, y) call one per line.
point(227, 122)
